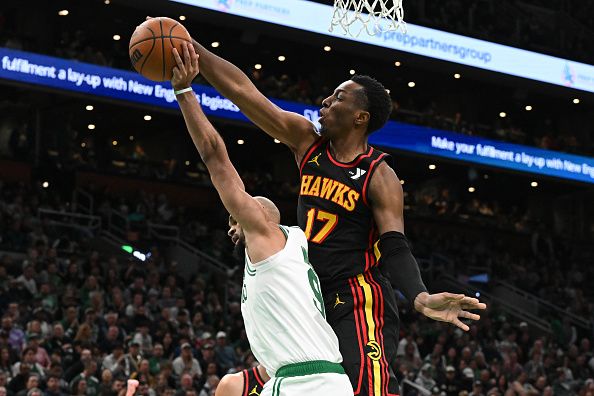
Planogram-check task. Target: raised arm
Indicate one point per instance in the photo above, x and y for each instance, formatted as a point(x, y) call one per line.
point(387, 202)
point(242, 206)
point(292, 129)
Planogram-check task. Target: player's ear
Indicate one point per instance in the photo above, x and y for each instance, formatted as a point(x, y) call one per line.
point(362, 118)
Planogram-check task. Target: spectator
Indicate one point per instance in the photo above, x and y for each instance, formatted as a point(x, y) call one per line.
point(210, 387)
point(57, 341)
point(157, 360)
point(143, 374)
point(91, 383)
point(117, 362)
point(225, 356)
point(111, 339)
point(28, 358)
point(106, 384)
point(6, 360)
point(53, 386)
point(16, 336)
point(143, 338)
point(134, 356)
point(425, 378)
point(186, 363)
point(27, 279)
point(451, 385)
point(31, 384)
point(70, 322)
point(79, 366)
point(41, 355)
point(117, 387)
point(477, 389)
point(186, 384)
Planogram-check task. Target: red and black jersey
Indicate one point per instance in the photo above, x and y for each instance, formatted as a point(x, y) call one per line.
point(252, 382)
point(334, 212)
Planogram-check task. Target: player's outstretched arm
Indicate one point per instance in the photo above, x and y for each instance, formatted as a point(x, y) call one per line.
point(292, 129)
point(387, 202)
point(211, 147)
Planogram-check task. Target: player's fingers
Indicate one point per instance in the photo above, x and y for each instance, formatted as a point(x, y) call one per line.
point(194, 56)
point(469, 300)
point(452, 296)
point(473, 305)
point(461, 325)
point(191, 60)
point(187, 59)
point(148, 17)
point(469, 315)
point(178, 59)
point(176, 73)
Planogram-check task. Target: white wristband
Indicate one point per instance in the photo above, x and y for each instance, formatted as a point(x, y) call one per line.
point(181, 91)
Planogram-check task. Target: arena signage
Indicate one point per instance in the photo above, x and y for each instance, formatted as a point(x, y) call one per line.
point(116, 84)
point(433, 142)
point(314, 17)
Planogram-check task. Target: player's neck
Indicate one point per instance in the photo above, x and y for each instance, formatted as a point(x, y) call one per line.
point(347, 148)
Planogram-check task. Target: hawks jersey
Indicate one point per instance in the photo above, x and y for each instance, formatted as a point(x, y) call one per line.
point(334, 212)
point(252, 382)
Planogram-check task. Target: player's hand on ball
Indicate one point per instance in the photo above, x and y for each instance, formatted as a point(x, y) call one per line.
point(187, 69)
point(448, 307)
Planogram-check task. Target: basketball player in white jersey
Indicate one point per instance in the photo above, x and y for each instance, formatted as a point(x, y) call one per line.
point(281, 300)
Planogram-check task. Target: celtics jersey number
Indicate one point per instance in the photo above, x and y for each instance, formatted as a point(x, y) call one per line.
point(314, 282)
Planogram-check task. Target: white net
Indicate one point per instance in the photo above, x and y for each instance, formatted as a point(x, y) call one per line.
point(373, 16)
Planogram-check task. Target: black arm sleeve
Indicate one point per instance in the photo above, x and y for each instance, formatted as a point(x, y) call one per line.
point(398, 262)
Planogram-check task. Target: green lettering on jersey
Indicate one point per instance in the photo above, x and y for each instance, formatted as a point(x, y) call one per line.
point(244, 294)
point(305, 255)
point(314, 283)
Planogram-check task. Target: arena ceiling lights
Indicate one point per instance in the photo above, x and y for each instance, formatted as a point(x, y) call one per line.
point(315, 18)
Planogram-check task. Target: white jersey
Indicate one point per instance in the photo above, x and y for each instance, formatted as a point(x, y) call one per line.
point(283, 308)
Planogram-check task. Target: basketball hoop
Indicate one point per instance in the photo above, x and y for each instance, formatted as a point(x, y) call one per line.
point(375, 16)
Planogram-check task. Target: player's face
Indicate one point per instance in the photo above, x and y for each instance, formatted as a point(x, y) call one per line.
point(236, 232)
point(339, 111)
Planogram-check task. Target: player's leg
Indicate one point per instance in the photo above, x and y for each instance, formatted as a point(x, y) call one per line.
point(391, 323)
point(364, 317)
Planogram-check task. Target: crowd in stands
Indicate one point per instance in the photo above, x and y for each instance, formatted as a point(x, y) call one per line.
point(79, 322)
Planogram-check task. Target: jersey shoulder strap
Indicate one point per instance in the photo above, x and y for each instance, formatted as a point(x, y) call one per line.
point(317, 143)
point(246, 382)
point(371, 163)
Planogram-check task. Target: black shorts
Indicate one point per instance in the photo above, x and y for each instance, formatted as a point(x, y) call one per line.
point(364, 316)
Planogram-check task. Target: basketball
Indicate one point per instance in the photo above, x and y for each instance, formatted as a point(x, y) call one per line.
point(151, 47)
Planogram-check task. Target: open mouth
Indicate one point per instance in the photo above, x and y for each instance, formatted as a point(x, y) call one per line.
point(235, 239)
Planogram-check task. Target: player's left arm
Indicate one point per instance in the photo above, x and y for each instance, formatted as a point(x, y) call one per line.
point(242, 206)
point(387, 203)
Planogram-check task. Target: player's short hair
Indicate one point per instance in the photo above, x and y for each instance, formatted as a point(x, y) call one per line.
point(375, 99)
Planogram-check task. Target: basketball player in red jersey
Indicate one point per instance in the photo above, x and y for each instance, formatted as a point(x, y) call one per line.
point(247, 382)
point(350, 198)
